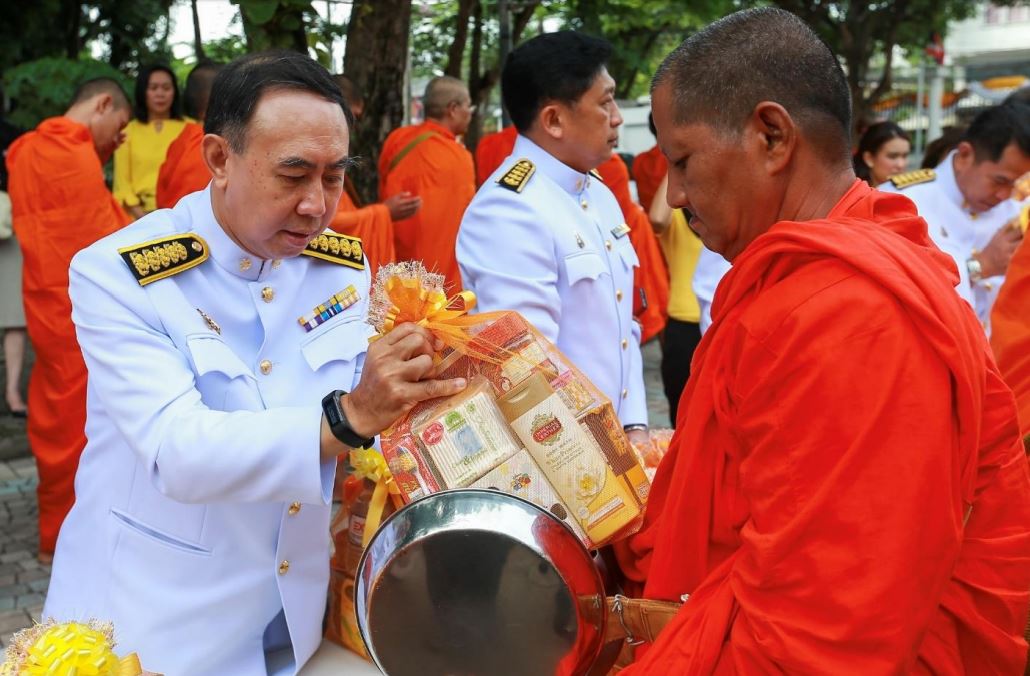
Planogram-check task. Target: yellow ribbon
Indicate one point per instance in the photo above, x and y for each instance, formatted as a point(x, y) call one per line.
point(80, 649)
point(369, 464)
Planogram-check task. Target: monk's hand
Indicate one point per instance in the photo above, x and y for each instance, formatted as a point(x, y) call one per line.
point(403, 205)
point(994, 258)
point(398, 373)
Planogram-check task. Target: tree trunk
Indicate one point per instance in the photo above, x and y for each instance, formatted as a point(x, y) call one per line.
point(71, 15)
point(198, 43)
point(376, 57)
point(456, 52)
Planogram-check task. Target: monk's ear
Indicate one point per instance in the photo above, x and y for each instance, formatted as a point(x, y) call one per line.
point(103, 103)
point(776, 134)
point(215, 150)
point(550, 120)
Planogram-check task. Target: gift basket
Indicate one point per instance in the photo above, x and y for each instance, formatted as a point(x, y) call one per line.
point(529, 423)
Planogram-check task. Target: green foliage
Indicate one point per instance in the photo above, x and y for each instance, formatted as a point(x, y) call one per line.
point(642, 32)
point(44, 88)
point(276, 24)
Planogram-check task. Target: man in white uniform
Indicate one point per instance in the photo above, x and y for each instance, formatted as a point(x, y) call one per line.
point(220, 337)
point(966, 200)
point(544, 236)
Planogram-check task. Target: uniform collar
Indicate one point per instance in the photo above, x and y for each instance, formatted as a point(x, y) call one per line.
point(570, 180)
point(225, 252)
point(946, 178)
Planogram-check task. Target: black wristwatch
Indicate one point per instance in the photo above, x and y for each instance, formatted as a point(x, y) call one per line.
point(338, 423)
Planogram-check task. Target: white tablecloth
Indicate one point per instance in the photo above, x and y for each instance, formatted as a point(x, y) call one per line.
point(332, 660)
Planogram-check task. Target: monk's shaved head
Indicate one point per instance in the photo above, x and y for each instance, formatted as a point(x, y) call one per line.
point(441, 92)
point(719, 74)
point(101, 85)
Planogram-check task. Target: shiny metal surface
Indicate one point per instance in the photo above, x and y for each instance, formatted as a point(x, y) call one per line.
point(478, 583)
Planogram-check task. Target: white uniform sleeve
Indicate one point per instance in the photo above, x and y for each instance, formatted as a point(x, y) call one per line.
point(634, 411)
point(147, 388)
point(504, 261)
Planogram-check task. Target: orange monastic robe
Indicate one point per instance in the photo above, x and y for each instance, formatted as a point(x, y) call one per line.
point(652, 276)
point(492, 150)
point(1010, 332)
point(649, 168)
point(184, 170)
point(846, 492)
point(439, 170)
point(372, 224)
point(59, 204)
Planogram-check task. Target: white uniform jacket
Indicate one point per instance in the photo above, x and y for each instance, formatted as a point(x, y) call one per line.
point(202, 507)
point(954, 228)
point(550, 242)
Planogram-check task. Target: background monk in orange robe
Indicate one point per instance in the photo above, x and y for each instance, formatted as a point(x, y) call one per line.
point(428, 161)
point(651, 278)
point(649, 168)
point(492, 150)
point(372, 223)
point(1010, 328)
point(846, 491)
point(60, 204)
point(184, 170)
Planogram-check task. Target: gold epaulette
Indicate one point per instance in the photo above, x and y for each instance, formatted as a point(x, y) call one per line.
point(336, 248)
point(516, 178)
point(910, 178)
point(160, 258)
point(596, 174)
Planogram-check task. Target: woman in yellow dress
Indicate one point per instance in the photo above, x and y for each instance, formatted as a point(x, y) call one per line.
point(158, 121)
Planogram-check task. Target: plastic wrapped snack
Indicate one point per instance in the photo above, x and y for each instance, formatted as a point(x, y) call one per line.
point(529, 419)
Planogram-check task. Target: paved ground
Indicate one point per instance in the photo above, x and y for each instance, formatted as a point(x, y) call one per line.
point(23, 581)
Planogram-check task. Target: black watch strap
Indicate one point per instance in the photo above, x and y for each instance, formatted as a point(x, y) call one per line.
point(338, 423)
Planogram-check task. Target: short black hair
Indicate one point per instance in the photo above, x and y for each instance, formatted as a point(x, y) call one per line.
point(551, 67)
point(871, 142)
point(995, 128)
point(197, 91)
point(143, 81)
point(719, 74)
point(240, 85)
point(101, 85)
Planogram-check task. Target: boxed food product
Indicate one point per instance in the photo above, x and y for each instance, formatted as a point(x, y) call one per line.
point(570, 459)
point(520, 476)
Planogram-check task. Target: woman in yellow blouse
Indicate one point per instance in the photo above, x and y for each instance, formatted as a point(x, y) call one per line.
point(681, 247)
point(158, 121)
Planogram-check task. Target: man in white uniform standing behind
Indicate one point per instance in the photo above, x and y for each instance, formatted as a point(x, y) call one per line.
point(544, 236)
point(966, 200)
point(221, 339)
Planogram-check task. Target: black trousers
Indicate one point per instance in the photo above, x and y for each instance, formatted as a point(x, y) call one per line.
point(681, 339)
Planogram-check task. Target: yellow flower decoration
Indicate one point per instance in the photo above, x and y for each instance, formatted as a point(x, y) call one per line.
point(69, 649)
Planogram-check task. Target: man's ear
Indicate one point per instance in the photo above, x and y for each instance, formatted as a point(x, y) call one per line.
point(215, 150)
point(772, 127)
point(551, 118)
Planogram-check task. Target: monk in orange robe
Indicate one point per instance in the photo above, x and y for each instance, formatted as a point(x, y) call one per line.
point(428, 161)
point(492, 150)
point(1010, 330)
point(846, 491)
point(60, 204)
point(649, 168)
point(651, 279)
point(184, 170)
point(372, 224)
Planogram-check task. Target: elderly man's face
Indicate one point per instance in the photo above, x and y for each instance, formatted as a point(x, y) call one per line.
point(716, 177)
point(283, 189)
